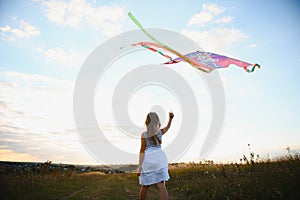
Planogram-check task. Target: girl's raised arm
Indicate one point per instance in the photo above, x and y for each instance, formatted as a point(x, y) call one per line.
point(164, 130)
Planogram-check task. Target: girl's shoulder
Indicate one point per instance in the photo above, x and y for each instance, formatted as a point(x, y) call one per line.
point(143, 134)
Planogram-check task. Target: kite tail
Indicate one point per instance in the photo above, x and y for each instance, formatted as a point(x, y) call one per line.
point(191, 62)
point(155, 50)
point(171, 62)
point(148, 46)
point(252, 70)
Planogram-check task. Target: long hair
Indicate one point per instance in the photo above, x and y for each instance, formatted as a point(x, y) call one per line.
point(153, 125)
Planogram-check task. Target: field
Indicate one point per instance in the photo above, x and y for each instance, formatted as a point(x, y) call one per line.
point(264, 180)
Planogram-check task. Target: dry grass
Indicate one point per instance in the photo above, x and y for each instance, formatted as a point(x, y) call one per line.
point(264, 180)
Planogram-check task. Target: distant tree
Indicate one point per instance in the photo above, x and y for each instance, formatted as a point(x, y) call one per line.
point(45, 167)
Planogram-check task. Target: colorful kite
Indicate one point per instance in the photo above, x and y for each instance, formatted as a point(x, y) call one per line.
point(204, 61)
point(207, 61)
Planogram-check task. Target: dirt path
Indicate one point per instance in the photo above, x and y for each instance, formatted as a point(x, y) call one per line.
point(85, 190)
point(131, 196)
point(107, 187)
point(74, 193)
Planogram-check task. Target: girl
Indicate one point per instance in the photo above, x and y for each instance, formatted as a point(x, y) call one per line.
point(153, 163)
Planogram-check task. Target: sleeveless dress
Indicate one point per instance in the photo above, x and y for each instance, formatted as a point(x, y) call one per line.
point(155, 163)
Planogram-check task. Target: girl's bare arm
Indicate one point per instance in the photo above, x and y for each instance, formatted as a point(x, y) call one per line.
point(142, 154)
point(164, 130)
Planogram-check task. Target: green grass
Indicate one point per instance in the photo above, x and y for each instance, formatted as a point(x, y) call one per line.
point(266, 180)
point(43, 187)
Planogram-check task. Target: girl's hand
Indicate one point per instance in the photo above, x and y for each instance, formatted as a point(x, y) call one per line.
point(139, 171)
point(171, 115)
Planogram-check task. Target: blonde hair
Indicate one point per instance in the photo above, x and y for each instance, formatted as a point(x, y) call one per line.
point(153, 125)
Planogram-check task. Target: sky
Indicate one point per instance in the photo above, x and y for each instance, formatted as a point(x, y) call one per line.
point(44, 44)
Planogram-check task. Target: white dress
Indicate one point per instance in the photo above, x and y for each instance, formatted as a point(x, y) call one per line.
point(155, 163)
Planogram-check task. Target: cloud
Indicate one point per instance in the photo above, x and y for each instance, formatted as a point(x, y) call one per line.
point(25, 30)
point(213, 34)
point(224, 20)
point(66, 57)
point(10, 155)
point(208, 12)
point(32, 102)
point(3, 106)
point(36, 118)
point(217, 40)
point(5, 29)
point(15, 80)
point(74, 13)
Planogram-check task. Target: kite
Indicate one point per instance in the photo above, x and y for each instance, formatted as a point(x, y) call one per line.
point(204, 61)
point(207, 61)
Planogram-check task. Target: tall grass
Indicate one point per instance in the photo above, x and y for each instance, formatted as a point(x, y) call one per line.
point(51, 186)
point(278, 179)
point(264, 180)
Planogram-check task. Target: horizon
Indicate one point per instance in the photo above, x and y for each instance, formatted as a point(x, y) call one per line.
point(276, 157)
point(266, 157)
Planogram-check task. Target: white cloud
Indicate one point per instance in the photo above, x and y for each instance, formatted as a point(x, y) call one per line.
point(56, 12)
point(74, 13)
point(5, 29)
point(216, 40)
point(213, 8)
point(25, 30)
point(38, 117)
point(224, 20)
point(253, 45)
point(32, 97)
point(15, 78)
point(107, 19)
point(208, 12)
point(68, 57)
point(201, 19)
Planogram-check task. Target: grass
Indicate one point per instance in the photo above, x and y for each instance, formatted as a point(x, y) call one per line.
point(267, 180)
point(43, 186)
point(264, 180)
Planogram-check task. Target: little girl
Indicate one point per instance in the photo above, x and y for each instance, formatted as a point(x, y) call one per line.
point(153, 163)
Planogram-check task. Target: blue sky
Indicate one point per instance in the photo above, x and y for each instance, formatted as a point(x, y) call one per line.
point(44, 44)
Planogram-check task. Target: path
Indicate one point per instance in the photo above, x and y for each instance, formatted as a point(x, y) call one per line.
point(108, 187)
point(116, 186)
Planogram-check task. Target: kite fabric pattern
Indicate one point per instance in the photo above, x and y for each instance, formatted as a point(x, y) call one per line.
point(204, 61)
point(209, 61)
